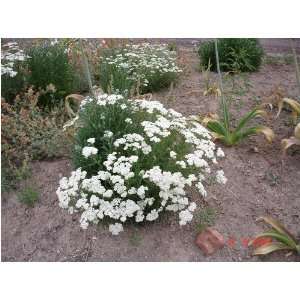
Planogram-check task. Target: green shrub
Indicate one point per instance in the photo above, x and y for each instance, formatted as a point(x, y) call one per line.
point(28, 133)
point(136, 69)
point(235, 55)
point(49, 65)
point(28, 196)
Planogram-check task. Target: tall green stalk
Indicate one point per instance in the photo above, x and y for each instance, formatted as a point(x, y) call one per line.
point(296, 63)
point(223, 100)
point(86, 68)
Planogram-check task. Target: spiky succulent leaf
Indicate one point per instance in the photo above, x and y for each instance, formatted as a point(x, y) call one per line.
point(295, 106)
point(294, 140)
point(268, 133)
point(269, 248)
point(283, 238)
point(278, 226)
point(217, 127)
point(249, 116)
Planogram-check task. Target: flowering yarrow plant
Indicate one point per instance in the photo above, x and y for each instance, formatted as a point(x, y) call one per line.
point(10, 54)
point(138, 68)
point(134, 160)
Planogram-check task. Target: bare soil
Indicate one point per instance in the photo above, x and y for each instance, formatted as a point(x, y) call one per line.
point(259, 183)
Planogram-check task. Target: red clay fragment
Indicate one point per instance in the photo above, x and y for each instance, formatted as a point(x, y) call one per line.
point(210, 240)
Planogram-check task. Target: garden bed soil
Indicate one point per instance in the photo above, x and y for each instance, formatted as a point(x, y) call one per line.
point(260, 182)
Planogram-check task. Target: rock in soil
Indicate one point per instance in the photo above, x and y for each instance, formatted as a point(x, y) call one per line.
point(210, 240)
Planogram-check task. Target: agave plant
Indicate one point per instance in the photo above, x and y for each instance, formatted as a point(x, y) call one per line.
point(222, 129)
point(282, 239)
point(293, 140)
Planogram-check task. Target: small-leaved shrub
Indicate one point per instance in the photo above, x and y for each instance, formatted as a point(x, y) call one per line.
point(135, 69)
point(235, 55)
point(134, 160)
point(28, 133)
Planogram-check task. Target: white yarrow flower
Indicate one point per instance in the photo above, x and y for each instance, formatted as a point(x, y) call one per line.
point(88, 151)
point(91, 140)
point(220, 177)
point(220, 153)
point(116, 228)
point(173, 154)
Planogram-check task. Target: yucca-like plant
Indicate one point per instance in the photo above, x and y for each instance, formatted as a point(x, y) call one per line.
point(282, 239)
point(222, 129)
point(293, 140)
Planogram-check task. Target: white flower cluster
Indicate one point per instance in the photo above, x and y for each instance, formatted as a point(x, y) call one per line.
point(88, 151)
point(147, 172)
point(142, 61)
point(9, 55)
point(133, 141)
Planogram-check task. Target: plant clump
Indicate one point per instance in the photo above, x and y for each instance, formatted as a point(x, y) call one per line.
point(12, 70)
point(28, 196)
point(49, 64)
point(140, 68)
point(134, 160)
point(28, 133)
point(235, 55)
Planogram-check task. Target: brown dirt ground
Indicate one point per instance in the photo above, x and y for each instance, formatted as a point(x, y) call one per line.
point(259, 183)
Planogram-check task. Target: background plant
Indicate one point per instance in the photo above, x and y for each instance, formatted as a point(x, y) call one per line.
point(235, 55)
point(222, 128)
point(135, 69)
point(48, 64)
